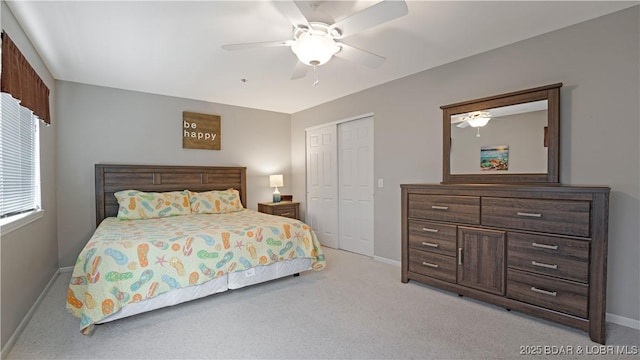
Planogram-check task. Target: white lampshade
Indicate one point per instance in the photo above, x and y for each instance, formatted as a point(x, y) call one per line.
point(276, 180)
point(314, 49)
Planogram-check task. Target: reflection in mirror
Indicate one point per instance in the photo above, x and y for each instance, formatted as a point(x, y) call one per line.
point(507, 139)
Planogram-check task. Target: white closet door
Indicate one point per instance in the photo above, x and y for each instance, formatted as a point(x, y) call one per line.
point(322, 187)
point(355, 192)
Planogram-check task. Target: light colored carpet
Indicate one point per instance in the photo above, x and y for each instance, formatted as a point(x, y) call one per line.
point(355, 308)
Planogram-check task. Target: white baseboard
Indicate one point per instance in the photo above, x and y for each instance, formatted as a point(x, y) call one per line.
point(66, 269)
point(624, 321)
point(387, 261)
point(12, 340)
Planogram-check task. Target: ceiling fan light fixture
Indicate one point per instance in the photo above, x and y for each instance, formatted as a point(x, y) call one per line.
point(314, 49)
point(478, 118)
point(479, 122)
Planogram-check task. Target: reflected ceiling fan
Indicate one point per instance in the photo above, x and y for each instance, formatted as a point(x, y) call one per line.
point(474, 119)
point(315, 43)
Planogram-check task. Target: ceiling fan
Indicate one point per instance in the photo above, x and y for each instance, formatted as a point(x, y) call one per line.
point(474, 119)
point(315, 43)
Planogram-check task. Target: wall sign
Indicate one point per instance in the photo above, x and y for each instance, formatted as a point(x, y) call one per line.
point(200, 131)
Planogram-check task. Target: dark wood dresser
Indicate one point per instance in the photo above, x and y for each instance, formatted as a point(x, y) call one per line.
point(540, 250)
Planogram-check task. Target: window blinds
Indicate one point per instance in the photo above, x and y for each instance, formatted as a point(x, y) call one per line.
point(19, 180)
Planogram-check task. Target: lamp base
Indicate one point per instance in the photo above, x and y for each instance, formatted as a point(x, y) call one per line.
point(276, 196)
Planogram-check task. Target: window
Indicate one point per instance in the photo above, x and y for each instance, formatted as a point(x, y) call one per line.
point(19, 159)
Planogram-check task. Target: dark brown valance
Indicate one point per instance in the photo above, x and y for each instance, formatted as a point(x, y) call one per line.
point(22, 82)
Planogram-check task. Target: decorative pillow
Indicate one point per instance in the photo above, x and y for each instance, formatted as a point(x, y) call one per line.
point(136, 205)
point(215, 202)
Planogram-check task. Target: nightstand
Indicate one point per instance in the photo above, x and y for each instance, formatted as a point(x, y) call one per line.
point(290, 209)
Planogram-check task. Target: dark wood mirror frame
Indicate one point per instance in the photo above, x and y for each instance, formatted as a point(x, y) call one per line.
point(551, 93)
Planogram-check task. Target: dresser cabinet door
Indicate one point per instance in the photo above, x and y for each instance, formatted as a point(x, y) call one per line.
point(481, 255)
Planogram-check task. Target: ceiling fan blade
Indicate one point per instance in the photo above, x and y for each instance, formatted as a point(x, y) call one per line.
point(257, 45)
point(292, 12)
point(374, 15)
point(299, 71)
point(356, 55)
point(462, 124)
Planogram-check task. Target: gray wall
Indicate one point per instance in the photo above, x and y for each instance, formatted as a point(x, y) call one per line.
point(105, 125)
point(28, 260)
point(598, 63)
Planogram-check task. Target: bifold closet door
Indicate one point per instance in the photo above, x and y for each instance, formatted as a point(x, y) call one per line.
point(355, 185)
point(340, 185)
point(322, 184)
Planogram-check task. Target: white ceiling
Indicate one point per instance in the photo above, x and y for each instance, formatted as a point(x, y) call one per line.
point(174, 47)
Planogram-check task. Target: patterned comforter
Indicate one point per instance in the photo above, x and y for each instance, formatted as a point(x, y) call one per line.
point(128, 261)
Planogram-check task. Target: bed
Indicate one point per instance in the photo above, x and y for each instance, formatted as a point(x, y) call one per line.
point(135, 262)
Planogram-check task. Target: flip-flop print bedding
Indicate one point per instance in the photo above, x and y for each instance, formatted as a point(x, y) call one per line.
point(127, 261)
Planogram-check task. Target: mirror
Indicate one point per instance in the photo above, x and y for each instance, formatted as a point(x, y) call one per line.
point(508, 138)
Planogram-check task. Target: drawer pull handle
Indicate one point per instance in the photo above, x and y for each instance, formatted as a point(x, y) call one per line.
point(545, 246)
point(544, 292)
point(459, 256)
point(436, 207)
point(435, 266)
point(430, 230)
point(430, 244)
point(285, 214)
point(548, 266)
point(536, 215)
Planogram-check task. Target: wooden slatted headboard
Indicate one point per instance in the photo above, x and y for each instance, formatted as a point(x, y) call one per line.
point(161, 178)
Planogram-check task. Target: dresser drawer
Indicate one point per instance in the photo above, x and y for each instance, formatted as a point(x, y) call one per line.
point(560, 295)
point(565, 217)
point(437, 266)
point(463, 209)
point(549, 255)
point(434, 237)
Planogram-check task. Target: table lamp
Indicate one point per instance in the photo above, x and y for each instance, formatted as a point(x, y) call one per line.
point(275, 181)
